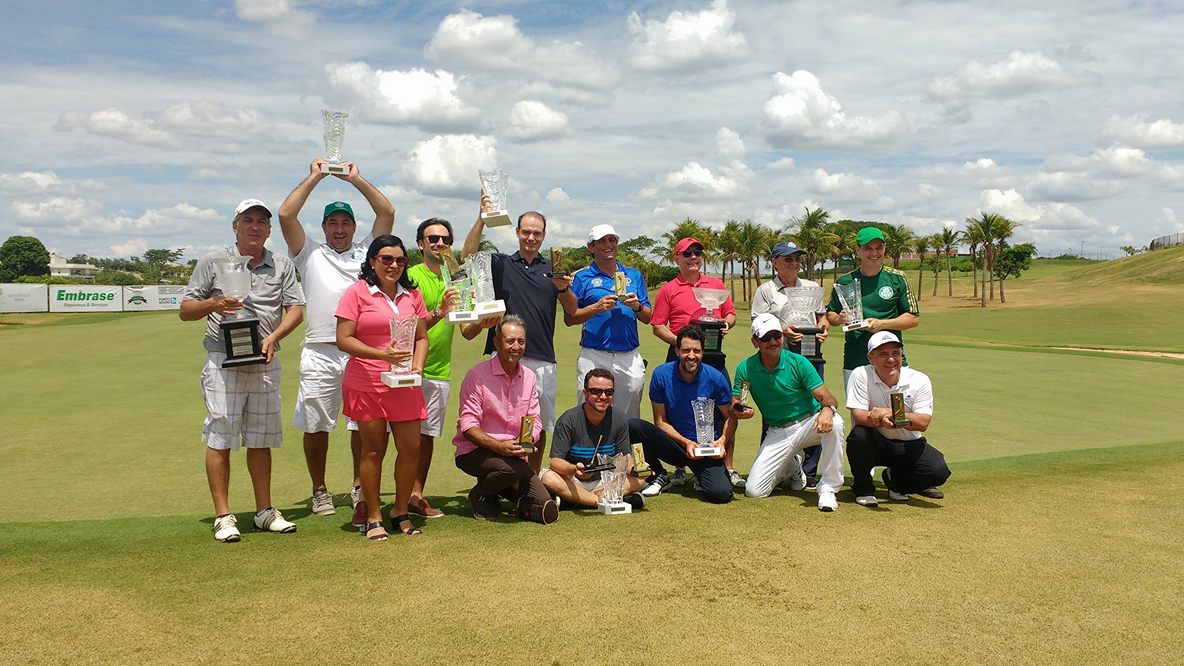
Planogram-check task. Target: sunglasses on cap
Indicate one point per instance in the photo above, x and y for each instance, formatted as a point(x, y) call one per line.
point(770, 336)
point(692, 253)
point(433, 238)
point(608, 393)
point(387, 260)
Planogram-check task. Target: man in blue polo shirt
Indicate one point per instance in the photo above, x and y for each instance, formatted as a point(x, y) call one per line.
point(609, 337)
point(674, 386)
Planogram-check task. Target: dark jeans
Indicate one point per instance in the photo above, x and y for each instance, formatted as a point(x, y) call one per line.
point(810, 454)
point(659, 448)
point(509, 477)
point(913, 464)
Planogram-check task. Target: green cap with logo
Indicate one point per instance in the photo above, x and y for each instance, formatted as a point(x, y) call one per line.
point(867, 235)
point(339, 206)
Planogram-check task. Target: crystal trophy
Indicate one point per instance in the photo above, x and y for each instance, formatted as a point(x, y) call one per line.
point(403, 339)
point(710, 299)
point(493, 184)
point(457, 277)
point(851, 298)
point(334, 137)
point(240, 333)
point(557, 263)
point(485, 301)
point(640, 466)
point(704, 410)
point(896, 397)
point(612, 484)
point(526, 434)
point(801, 312)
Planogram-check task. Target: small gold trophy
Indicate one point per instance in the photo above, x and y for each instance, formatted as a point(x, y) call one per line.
point(640, 466)
point(619, 284)
point(557, 263)
point(526, 434)
point(899, 417)
point(745, 395)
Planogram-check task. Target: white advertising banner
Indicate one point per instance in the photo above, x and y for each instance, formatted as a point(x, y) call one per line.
point(85, 298)
point(152, 297)
point(16, 297)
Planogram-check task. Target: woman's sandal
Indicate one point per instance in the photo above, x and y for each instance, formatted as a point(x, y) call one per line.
point(410, 531)
point(377, 525)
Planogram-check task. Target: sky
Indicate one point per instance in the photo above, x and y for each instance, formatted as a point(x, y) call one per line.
point(137, 125)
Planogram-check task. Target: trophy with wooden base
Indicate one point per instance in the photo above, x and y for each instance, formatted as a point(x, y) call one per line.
point(557, 263)
point(403, 339)
point(334, 137)
point(526, 434)
point(704, 410)
point(240, 333)
point(801, 312)
point(900, 418)
point(493, 184)
point(710, 299)
point(851, 298)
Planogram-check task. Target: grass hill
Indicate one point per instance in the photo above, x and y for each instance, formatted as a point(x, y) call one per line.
point(1159, 267)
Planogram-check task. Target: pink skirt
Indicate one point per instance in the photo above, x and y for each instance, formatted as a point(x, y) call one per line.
point(393, 405)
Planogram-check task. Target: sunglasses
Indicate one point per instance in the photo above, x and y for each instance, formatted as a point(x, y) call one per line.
point(770, 336)
point(433, 238)
point(608, 393)
point(387, 260)
point(692, 253)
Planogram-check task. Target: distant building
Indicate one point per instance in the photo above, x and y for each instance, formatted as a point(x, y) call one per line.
point(59, 267)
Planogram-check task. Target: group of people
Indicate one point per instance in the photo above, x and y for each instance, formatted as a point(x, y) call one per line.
point(351, 288)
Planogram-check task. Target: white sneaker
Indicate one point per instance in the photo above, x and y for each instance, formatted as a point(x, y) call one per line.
point(226, 529)
point(656, 485)
point(827, 502)
point(897, 497)
point(322, 503)
point(355, 496)
point(737, 480)
point(867, 500)
point(271, 520)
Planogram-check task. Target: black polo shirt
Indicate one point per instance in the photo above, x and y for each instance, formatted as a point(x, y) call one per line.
point(530, 294)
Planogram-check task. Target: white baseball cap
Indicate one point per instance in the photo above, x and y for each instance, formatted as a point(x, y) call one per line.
point(251, 203)
point(600, 231)
point(882, 338)
point(763, 324)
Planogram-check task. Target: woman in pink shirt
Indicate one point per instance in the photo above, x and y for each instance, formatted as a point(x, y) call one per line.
point(363, 332)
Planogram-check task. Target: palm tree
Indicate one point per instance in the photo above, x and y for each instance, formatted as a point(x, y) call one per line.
point(727, 243)
point(935, 265)
point(898, 239)
point(810, 232)
point(920, 245)
point(948, 242)
point(687, 228)
point(1001, 230)
point(843, 246)
point(753, 245)
point(976, 236)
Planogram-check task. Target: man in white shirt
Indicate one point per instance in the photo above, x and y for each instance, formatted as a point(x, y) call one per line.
point(326, 270)
point(888, 436)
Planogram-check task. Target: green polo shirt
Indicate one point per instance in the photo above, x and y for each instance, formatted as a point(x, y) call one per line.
point(784, 394)
point(431, 287)
point(886, 295)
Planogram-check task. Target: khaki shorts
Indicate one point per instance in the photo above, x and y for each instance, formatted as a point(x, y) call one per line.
point(242, 405)
point(435, 396)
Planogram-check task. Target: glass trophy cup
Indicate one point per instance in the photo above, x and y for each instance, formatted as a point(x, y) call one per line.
point(457, 277)
point(711, 299)
point(485, 302)
point(493, 183)
point(240, 333)
point(403, 339)
point(704, 411)
point(334, 137)
point(900, 418)
point(526, 434)
point(801, 312)
point(612, 483)
point(851, 298)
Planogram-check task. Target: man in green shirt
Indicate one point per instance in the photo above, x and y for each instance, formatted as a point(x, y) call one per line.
point(788, 391)
point(888, 303)
point(433, 236)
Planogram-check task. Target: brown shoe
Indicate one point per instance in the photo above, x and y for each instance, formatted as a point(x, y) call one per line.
point(422, 508)
point(360, 514)
point(932, 493)
point(483, 508)
point(544, 514)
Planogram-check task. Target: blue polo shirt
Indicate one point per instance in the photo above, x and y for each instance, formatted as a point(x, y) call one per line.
point(615, 330)
point(668, 388)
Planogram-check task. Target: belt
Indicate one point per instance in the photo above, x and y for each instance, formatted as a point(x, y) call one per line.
point(793, 423)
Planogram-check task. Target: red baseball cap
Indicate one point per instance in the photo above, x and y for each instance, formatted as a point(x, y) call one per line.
point(686, 243)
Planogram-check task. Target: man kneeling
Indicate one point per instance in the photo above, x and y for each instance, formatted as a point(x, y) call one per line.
point(788, 391)
point(581, 433)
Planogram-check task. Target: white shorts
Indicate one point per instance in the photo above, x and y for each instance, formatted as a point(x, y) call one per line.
point(590, 484)
point(318, 402)
point(628, 370)
point(435, 396)
point(242, 405)
point(544, 372)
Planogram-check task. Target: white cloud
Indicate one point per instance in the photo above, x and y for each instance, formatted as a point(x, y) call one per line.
point(801, 115)
point(1139, 132)
point(209, 118)
point(28, 181)
point(279, 17)
point(534, 121)
point(1070, 186)
point(117, 125)
point(695, 181)
point(687, 41)
point(55, 209)
point(1053, 223)
point(428, 100)
point(181, 217)
point(728, 144)
point(844, 187)
point(556, 195)
point(785, 163)
point(447, 165)
point(133, 247)
point(1020, 73)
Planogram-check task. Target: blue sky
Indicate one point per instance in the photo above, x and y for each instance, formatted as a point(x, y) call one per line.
point(140, 125)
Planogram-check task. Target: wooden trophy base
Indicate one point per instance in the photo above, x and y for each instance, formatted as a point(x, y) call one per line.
point(241, 339)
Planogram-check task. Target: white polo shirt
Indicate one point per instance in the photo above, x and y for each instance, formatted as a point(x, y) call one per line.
point(325, 274)
point(865, 390)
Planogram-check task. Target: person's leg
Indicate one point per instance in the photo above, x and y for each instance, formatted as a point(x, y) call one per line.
point(773, 458)
point(374, 444)
point(569, 490)
point(916, 466)
point(355, 449)
point(584, 362)
point(492, 471)
point(220, 432)
point(810, 457)
point(862, 452)
point(713, 480)
point(629, 377)
point(831, 459)
point(316, 452)
point(262, 427)
point(406, 435)
point(318, 402)
point(435, 395)
point(259, 466)
point(534, 501)
point(657, 445)
point(218, 476)
point(547, 384)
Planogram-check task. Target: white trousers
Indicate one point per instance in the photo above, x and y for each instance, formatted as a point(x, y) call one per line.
point(628, 368)
point(775, 460)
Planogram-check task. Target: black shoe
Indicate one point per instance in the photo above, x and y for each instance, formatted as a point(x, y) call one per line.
point(635, 500)
point(811, 481)
point(932, 493)
point(483, 508)
point(544, 514)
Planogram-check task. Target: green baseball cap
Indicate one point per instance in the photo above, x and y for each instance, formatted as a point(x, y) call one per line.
point(336, 206)
point(867, 235)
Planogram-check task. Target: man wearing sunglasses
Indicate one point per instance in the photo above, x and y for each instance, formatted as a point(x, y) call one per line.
point(326, 270)
point(789, 393)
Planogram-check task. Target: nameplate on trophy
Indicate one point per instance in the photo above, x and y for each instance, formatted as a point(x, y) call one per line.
point(526, 434)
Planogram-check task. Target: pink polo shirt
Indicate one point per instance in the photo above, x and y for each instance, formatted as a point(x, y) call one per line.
point(496, 402)
point(676, 304)
point(372, 310)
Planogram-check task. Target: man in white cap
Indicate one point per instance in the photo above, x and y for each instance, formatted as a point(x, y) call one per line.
point(800, 411)
point(882, 436)
point(326, 270)
point(243, 401)
point(609, 337)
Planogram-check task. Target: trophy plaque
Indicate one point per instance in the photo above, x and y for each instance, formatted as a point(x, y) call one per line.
point(801, 312)
point(851, 298)
point(240, 333)
point(620, 284)
point(896, 397)
point(402, 338)
point(526, 434)
point(704, 410)
point(334, 137)
point(745, 402)
point(493, 183)
point(612, 485)
point(557, 263)
point(710, 299)
point(640, 466)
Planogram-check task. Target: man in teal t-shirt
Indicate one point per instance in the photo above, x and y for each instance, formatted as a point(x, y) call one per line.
point(787, 389)
point(433, 236)
point(888, 303)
